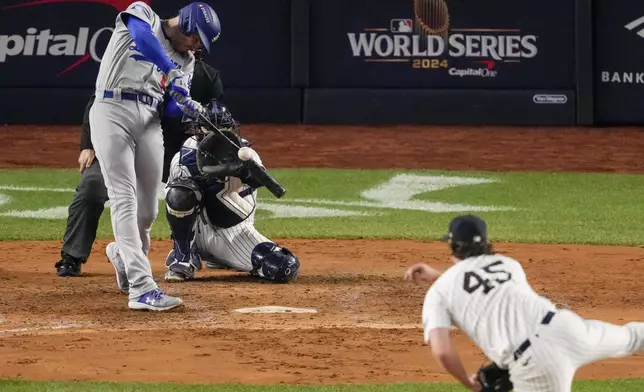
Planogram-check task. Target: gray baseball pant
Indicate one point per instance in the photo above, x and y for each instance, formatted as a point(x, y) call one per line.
point(128, 141)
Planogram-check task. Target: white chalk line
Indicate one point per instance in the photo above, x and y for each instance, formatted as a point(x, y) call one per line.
point(97, 328)
point(34, 189)
point(308, 327)
point(44, 328)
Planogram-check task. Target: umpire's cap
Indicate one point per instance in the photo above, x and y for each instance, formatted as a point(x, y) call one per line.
point(467, 229)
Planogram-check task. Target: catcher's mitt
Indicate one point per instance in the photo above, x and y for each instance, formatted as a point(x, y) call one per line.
point(219, 155)
point(494, 379)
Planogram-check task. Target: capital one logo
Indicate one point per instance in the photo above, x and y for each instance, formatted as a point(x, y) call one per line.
point(635, 24)
point(39, 41)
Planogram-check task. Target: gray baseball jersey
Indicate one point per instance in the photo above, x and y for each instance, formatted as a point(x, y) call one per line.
point(126, 134)
point(124, 67)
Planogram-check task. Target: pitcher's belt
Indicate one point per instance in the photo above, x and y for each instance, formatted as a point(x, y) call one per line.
point(525, 345)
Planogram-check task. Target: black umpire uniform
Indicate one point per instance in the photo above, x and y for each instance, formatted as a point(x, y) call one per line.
point(89, 199)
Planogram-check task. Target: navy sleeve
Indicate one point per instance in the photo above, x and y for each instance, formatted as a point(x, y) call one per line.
point(86, 138)
point(147, 43)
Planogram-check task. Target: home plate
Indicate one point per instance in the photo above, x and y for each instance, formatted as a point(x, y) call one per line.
point(275, 309)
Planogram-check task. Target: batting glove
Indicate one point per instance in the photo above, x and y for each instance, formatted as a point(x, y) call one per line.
point(192, 108)
point(179, 89)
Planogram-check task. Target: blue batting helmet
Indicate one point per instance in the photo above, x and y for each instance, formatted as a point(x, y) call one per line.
point(201, 19)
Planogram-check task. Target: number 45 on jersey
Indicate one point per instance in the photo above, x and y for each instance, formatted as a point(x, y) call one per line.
point(487, 278)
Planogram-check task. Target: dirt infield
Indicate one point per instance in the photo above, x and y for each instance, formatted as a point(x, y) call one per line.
point(407, 147)
point(367, 325)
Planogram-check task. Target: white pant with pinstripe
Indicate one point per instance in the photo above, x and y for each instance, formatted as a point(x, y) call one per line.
point(231, 247)
point(569, 342)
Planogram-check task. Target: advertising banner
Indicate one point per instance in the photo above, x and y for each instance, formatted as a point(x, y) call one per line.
point(60, 43)
point(442, 44)
point(619, 61)
point(51, 43)
point(254, 49)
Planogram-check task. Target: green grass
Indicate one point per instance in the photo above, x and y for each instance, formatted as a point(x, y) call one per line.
point(548, 207)
point(632, 385)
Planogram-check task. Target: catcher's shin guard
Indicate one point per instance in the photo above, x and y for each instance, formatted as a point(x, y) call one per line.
point(182, 210)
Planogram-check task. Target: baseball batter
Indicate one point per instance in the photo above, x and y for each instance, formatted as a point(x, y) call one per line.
point(90, 195)
point(535, 347)
point(144, 56)
point(212, 216)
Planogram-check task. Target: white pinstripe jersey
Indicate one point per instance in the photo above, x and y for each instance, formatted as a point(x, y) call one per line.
point(226, 204)
point(122, 66)
point(490, 300)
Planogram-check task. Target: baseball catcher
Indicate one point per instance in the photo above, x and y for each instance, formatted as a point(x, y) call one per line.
point(211, 196)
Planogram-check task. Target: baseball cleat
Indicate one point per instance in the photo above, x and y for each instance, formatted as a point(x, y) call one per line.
point(119, 267)
point(155, 300)
point(180, 272)
point(68, 266)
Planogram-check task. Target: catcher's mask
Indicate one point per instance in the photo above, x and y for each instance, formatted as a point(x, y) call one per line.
point(218, 114)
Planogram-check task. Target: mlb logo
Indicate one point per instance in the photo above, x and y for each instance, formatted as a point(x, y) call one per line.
point(401, 26)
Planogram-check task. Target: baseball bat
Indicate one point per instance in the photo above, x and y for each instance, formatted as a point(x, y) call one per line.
point(259, 173)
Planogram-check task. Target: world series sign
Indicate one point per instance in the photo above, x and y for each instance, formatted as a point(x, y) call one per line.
point(444, 43)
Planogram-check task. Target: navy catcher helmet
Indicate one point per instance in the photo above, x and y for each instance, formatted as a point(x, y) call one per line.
point(218, 114)
point(275, 263)
point(201, 19)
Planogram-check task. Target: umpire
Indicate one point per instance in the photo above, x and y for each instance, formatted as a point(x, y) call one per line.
point(89, 200)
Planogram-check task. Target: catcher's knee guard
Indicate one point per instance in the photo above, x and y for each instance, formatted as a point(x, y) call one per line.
point(182, 198)
point(275, 263)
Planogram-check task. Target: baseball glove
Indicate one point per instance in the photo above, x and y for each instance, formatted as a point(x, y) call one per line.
point(217, 157)
point(494, 379)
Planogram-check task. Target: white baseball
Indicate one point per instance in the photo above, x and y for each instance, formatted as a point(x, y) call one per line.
point(245, 153)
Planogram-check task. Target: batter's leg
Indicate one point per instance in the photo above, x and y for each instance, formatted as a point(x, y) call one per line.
point(111, 123)
point(84, 213)
point(149, 168)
